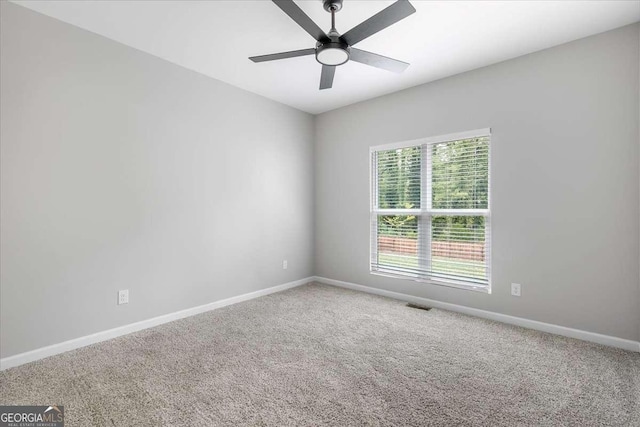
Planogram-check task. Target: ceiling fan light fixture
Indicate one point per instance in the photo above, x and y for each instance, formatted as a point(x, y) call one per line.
point(332, 53)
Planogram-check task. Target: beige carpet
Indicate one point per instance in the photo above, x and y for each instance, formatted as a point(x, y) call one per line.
point(319, 355)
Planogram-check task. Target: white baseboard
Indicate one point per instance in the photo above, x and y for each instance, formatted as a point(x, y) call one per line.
point(40, 353)
point(518, 321)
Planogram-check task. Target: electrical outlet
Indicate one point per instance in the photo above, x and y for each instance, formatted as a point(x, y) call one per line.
point(516, 289)
point(285, 264)
point(123, 297)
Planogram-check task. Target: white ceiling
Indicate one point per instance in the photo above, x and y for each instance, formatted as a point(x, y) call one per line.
point(442, 38)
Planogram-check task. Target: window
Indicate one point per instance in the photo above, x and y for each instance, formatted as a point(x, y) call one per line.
point(430, 217)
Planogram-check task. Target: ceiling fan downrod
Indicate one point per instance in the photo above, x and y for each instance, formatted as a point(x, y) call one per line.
point(332, 6)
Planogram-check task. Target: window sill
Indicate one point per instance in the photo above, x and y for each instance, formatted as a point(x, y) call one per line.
point(486, 289)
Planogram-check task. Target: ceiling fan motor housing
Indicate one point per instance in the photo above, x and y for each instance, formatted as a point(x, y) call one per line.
point(334, 52)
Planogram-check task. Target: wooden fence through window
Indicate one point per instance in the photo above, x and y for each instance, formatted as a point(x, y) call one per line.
point(472, 251)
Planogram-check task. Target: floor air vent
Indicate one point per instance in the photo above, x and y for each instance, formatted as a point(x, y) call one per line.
point(418, 306)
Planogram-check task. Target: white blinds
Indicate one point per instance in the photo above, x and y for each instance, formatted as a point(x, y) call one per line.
point(430, 217)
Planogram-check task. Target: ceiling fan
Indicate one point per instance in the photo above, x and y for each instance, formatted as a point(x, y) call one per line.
point(333, 49)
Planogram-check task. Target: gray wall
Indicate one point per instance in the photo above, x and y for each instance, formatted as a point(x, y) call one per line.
point(565, 184)
point(123, 171)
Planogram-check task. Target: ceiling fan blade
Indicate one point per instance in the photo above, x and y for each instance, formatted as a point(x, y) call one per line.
point(378, 61)
point(283, 55)
point(381, 20)
point(301, 18)
point(326, 78)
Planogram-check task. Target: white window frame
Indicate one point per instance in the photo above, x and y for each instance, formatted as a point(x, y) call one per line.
point(426, 211)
